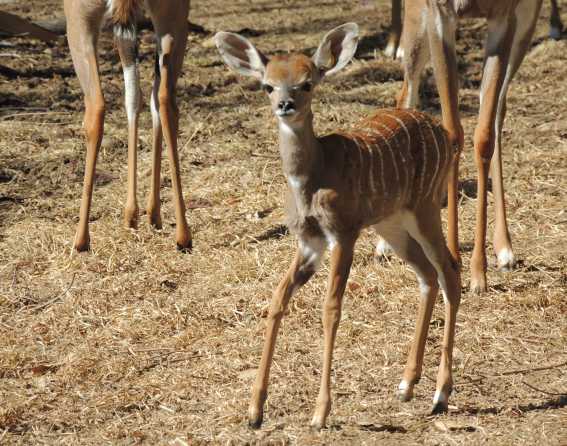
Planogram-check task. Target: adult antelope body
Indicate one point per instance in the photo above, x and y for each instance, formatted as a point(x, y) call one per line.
point(429, 29)
point(169, 17)
point(389, 173)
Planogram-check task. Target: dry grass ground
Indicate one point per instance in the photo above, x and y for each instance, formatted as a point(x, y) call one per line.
point(134, 342)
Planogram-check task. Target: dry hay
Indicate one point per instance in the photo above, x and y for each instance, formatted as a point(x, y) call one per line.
point(137, 343)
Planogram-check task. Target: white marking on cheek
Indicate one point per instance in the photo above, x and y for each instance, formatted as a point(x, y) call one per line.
point(131, 91)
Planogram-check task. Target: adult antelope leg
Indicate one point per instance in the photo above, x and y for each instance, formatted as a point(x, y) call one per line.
point(526, 16)
point(395, 29)
point(441, 29)
point(302, 268)
point(170, 21)
point(153, 207)
point(341, 260)
point(556, 27)
point(82, 35)
point(127, 49)
point(416, 54)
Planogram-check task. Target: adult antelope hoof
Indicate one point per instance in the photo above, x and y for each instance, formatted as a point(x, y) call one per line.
point(478, 284)
point(256, 408)
point(82, 243)
point(184, 239)
point(131, 219)
point(317, 423)
point(186, 247)
point(440, 407)
point(506, 260)
point(478, 268)
point(441, 401)
point(405, 392)
point(555, 33)
point(391, 49)
point(255, 420)
point(321, 412)
point(154, 219)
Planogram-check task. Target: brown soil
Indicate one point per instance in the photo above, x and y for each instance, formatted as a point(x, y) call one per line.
point(135, 342)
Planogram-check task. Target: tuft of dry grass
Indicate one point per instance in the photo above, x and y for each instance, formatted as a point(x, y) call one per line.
point(134, 342)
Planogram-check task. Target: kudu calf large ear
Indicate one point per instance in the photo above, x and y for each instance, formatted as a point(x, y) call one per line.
point(240, 55)
point(336, 49)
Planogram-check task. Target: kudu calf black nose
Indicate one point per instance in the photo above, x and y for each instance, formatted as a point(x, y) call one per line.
point(286, 105)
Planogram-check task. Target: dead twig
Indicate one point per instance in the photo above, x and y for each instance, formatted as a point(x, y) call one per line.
point(562, 394)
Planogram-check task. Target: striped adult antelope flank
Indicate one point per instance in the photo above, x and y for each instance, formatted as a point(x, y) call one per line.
point(389, 174)
point(169, 17)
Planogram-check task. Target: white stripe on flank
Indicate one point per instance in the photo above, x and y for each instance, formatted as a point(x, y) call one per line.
point(382, 162)
point(433, 178)
point(370, 150)
point(394, 162)
point(408, 147)
point(379, 152)
point(371, 173)
point(360, 163)
point(422, 139)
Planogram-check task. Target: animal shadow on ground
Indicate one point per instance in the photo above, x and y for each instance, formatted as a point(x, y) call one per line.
point(372, 427)
point(553, 403)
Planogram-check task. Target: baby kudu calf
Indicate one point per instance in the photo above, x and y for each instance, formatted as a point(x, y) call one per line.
point(388, 173)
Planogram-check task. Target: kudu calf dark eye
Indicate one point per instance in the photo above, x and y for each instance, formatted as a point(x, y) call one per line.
point(307, 86)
